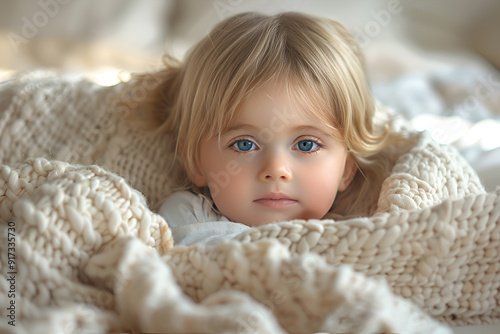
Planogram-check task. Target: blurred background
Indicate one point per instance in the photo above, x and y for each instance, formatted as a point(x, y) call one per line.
point(106, 36)
point(436, 62)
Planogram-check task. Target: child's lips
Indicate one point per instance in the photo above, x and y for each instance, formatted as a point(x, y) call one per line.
point(276, 202)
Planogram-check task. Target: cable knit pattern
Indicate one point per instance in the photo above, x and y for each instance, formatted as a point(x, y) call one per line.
point(68, 118)
point(91, 256)
point(426, 175)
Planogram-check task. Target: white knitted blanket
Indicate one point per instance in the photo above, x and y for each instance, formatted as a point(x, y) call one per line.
point(82, 252)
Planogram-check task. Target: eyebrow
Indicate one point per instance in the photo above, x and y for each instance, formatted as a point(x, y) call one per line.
point(312, 128)
point(242, 126)
point(250, 127)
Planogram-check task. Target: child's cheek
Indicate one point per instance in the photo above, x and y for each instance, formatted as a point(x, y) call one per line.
point(320, 183)
point(230, 187)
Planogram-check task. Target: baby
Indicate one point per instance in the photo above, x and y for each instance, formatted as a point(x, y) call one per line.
point(270, 119)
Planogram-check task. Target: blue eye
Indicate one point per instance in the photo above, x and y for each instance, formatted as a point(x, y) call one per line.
point(306, 145)
point(244, 145)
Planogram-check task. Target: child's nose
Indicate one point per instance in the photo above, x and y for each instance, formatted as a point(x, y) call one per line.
point(275, 169)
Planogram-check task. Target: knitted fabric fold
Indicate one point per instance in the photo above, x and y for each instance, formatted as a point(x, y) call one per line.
point(90, 254)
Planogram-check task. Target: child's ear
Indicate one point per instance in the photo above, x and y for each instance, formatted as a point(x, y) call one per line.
point(350, 170)
point(194, 174)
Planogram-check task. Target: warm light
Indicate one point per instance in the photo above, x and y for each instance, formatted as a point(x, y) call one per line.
point(456, 130)
point(109, 77)
point(487, 134)
point(5, 74)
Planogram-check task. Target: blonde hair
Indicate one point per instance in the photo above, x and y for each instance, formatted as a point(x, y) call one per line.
point(321, 63)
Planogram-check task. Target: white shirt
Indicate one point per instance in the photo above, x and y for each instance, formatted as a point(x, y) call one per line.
point(191, 218)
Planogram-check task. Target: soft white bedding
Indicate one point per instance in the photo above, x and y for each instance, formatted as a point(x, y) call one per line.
point(27, 98)
point(458, 106)
point(462, 108)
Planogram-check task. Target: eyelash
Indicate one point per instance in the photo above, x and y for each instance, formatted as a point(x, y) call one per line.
point(313, 140)
point(234, 142)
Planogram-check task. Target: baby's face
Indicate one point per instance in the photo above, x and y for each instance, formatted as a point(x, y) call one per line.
point(275, 162)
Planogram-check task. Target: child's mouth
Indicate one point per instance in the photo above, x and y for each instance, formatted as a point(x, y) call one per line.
point(276, 203)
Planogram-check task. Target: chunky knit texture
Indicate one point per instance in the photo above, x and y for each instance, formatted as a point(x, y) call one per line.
point(90, 255)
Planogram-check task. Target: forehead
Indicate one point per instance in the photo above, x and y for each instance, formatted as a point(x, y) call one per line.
point(279, 103)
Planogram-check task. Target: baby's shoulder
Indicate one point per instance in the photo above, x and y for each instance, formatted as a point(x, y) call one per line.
point(185, 207)
point(183, 197)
